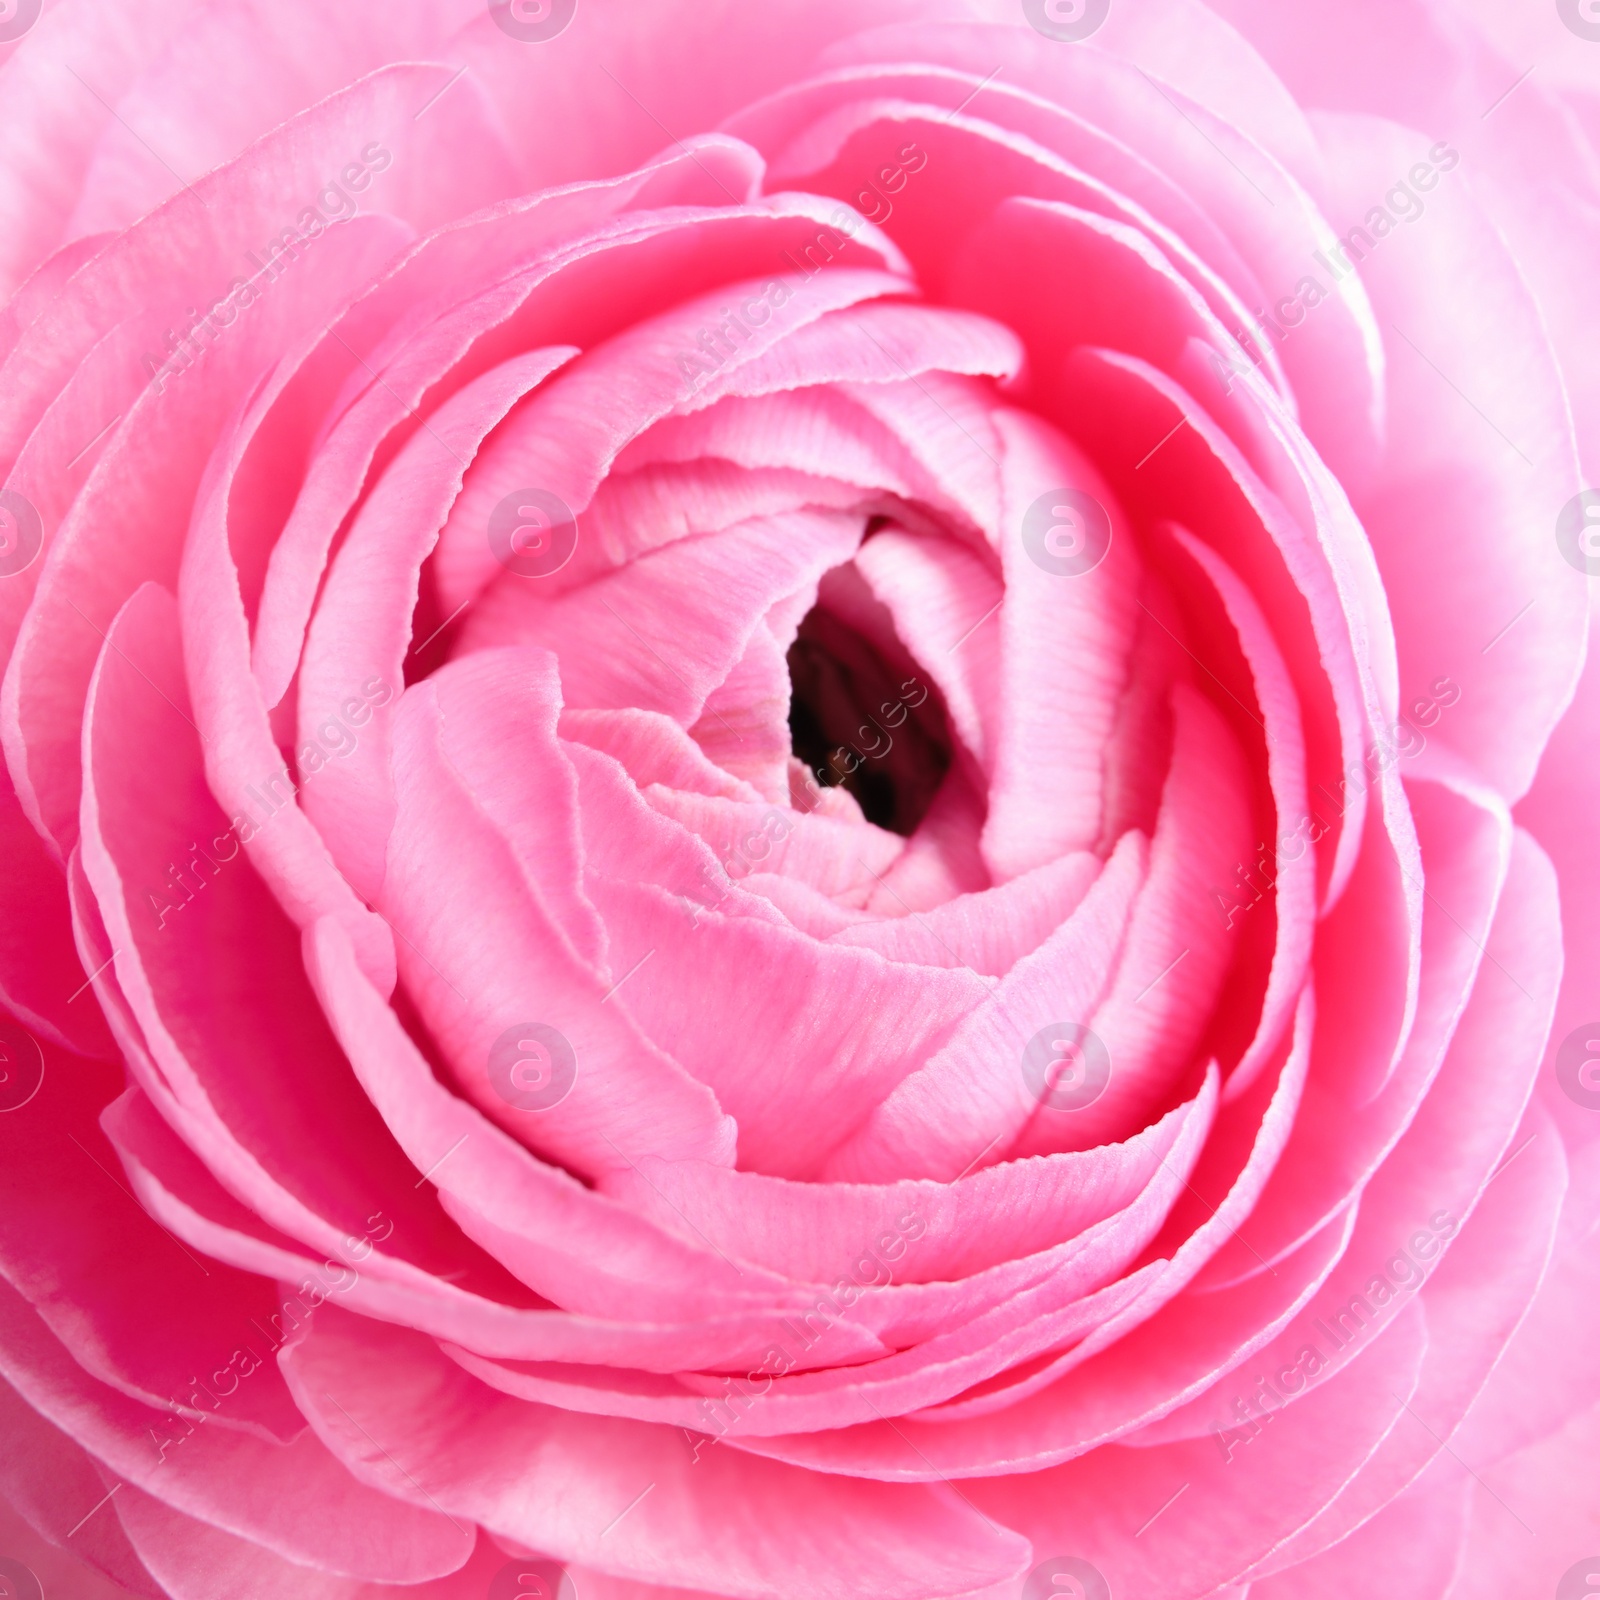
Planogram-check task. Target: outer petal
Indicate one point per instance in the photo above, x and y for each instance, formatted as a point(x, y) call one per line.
point(1479, 465)
point(296, 1499)
point(412, 1421)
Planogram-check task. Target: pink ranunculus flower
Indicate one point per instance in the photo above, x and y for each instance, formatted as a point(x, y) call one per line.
point(799, 799)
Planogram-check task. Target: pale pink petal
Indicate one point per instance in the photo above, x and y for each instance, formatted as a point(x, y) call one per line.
point(234, 73)
point(989, 930)
point(194, 1560)
point(1293, 873)
point(556, 1481)
point(1549, 1534)
point(42, 981)
point(1415, 1542)
point(361, 633)
point(615, 646)
point(568, 1242)
point(1480, 440)
point(1478, 1296)
point(942, 600)
point(1344, 1136)
point(918, 1231)
point(56, 124)
point(1543, 1373)
point(75, 1248)
point(971, 1098)
point(410, 363)
point(1424, 1192)
point(1333, 361)
point(625, 1097)
point(564, 442)
point(1145, 1373)
point(1232, 1511)
point(1070, 632)
point(296, 1499)
point(1176, 950)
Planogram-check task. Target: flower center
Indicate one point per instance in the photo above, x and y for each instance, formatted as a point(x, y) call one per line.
point(869, 725)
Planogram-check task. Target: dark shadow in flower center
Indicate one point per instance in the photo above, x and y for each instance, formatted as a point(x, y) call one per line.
point(860, 723)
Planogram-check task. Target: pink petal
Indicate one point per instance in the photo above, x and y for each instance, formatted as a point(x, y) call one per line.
point(42, 981)
point(1474, 1301)
point(296, 1499)
point(1415, 1542)
point(555, 1481)
point(989, 930)
point(1071, 632)
point(970, 1099)
point(1169, 461)
point(1176, 950)
point(230, 76)
point(481, 1314)
point(51, 1481)
point(84, 1259)
point(1457, 473)
point(1541, 1377)
point(237, 1055)
point(412, 365)
point(1177, 1353)
point(361, 632)
point(152, 462)
point(572, 1244)
point(1344, 1136)
point(1548, 1490)
point(57, 130)
point(1435, 1175)
point(627, 1097)
point(1205, 1536)
point(1334, 358)
point(1293, 865)
point(813, 1231)
point(565, 440)
point(825, 1066)
point(941, 598)
point(615, 648)
point(1039, 1318)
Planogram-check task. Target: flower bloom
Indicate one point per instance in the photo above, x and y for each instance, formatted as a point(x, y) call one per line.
point(795, 798)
